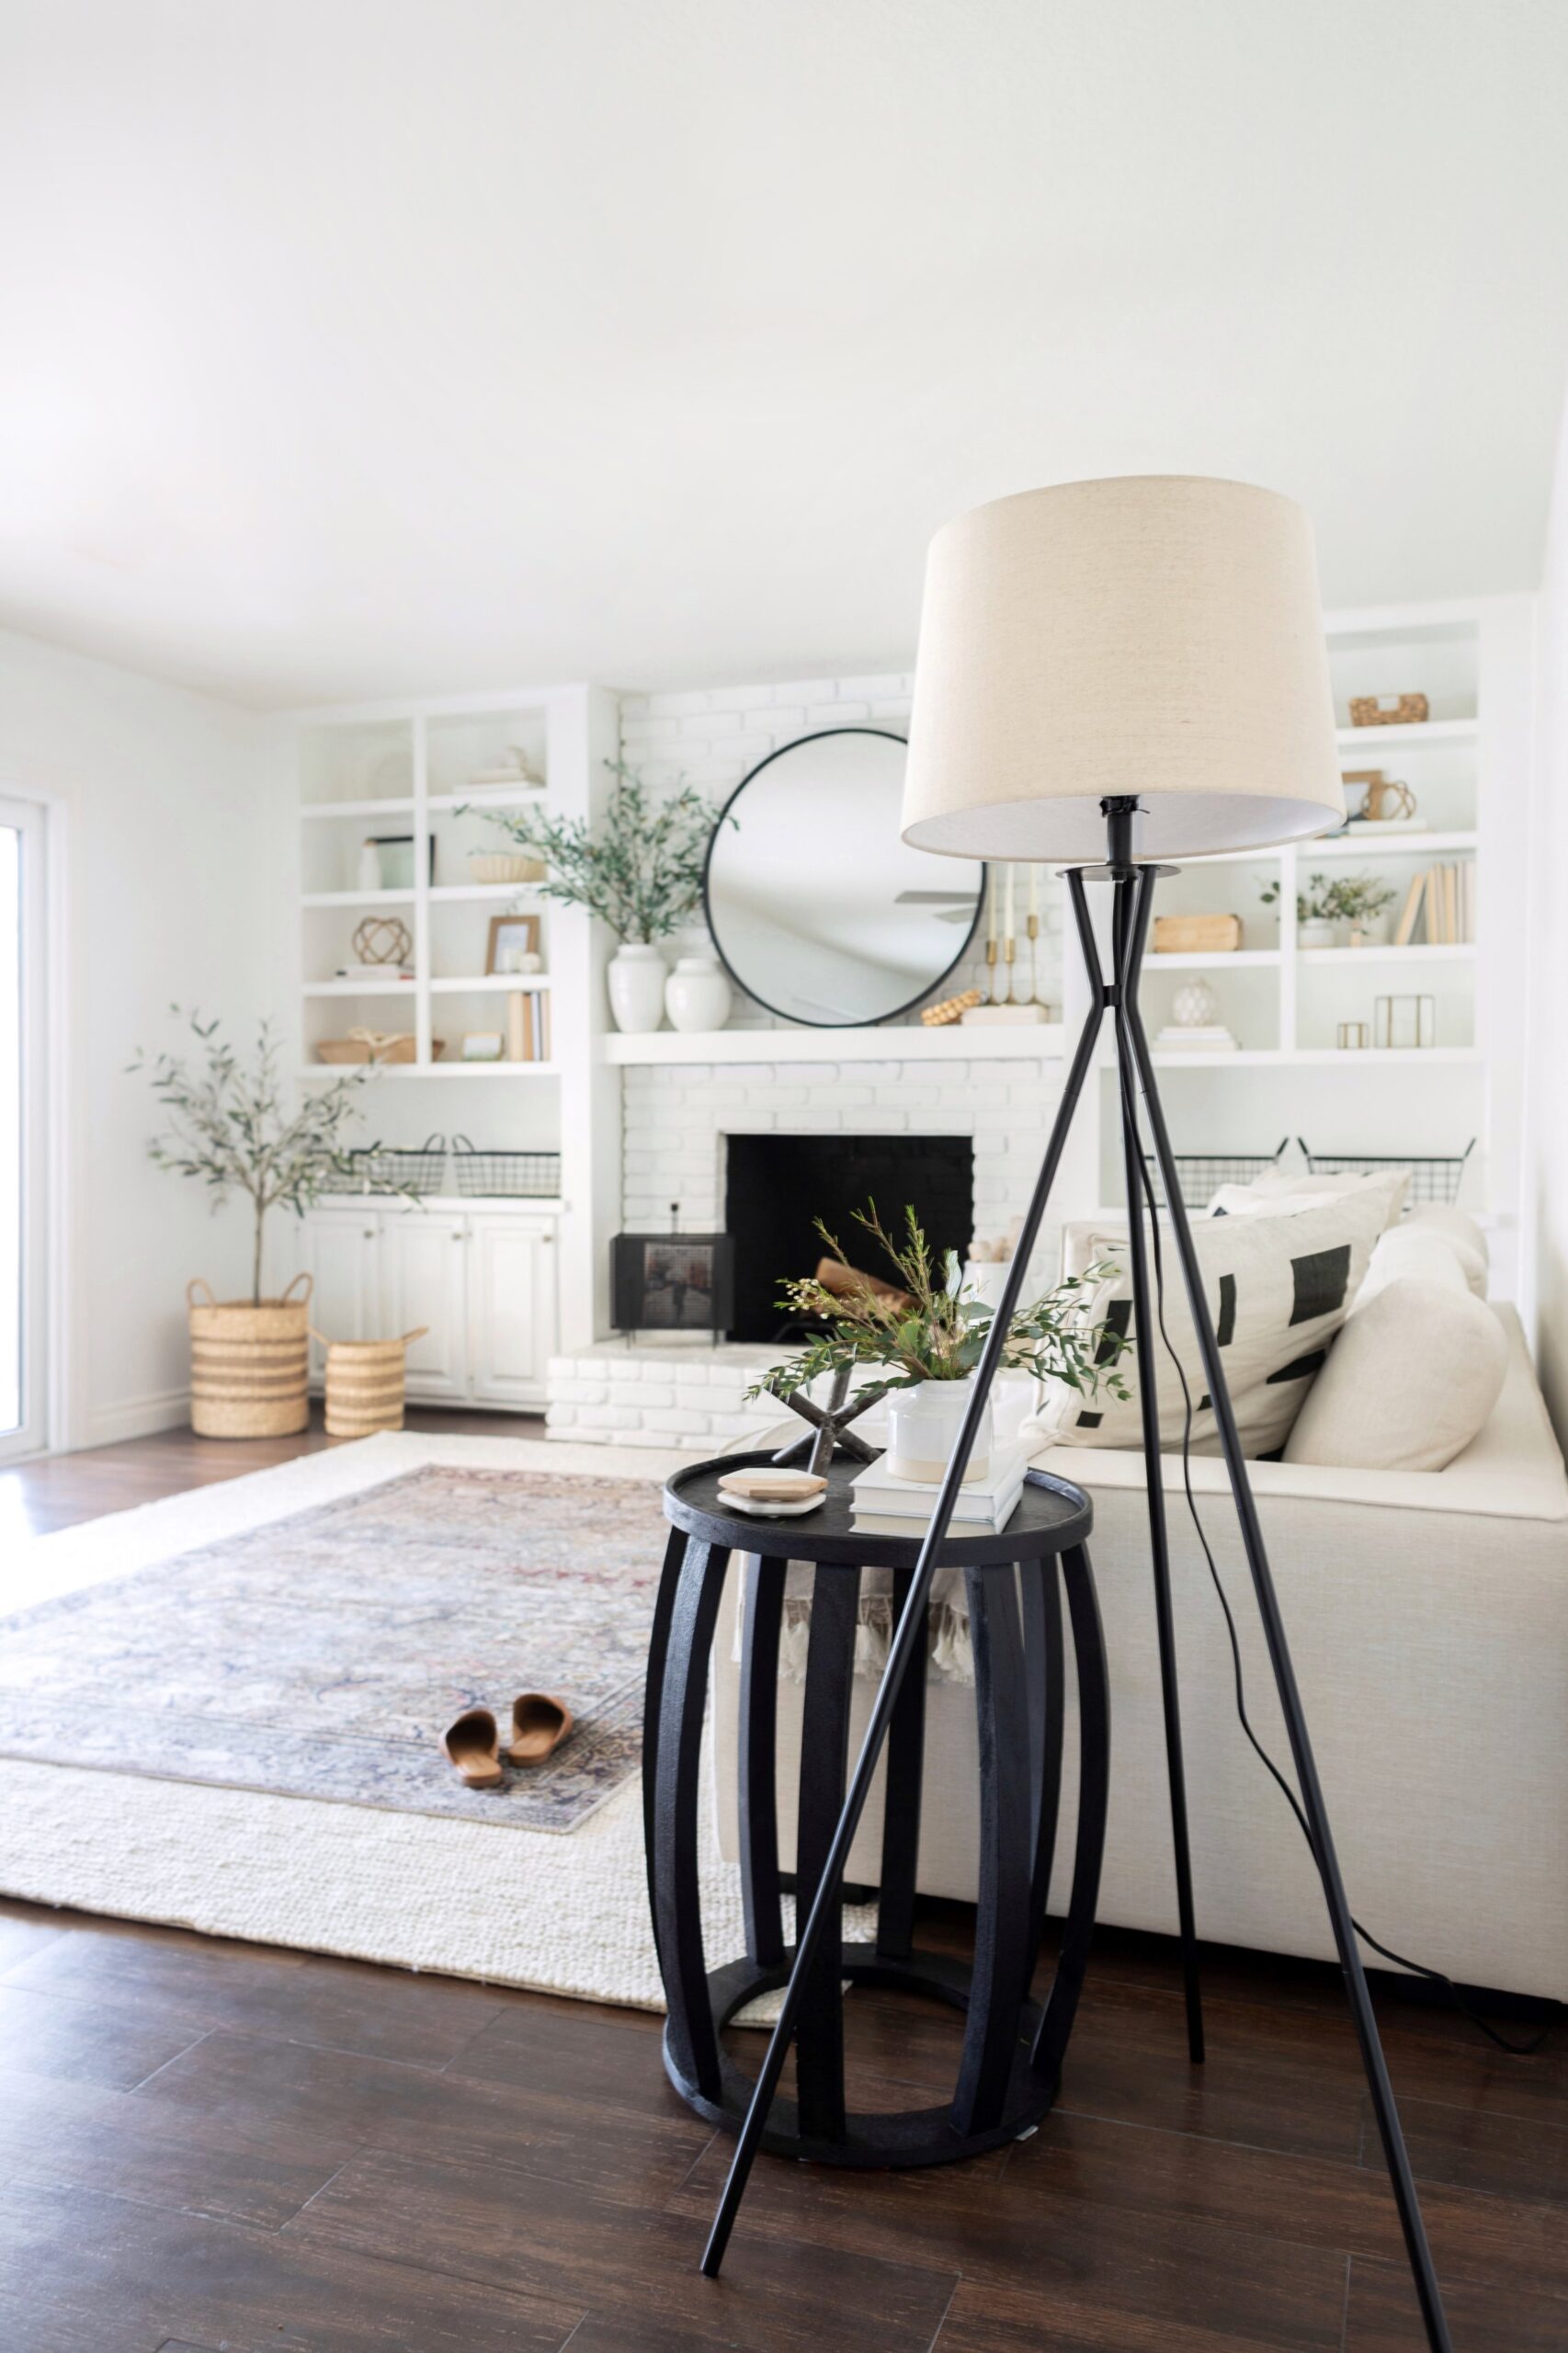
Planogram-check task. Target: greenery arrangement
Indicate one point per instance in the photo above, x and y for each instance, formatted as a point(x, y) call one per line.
point(229, 1124)
point(640, 869)
point(934, 1331)
point(1349, 898)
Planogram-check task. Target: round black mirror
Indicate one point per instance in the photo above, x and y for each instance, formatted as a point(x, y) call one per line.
point(818, 909)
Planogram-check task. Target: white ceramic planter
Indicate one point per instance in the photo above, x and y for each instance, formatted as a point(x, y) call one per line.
point(923, 1429)
point(697, 995)
point(636, 979)
point(1317, 932)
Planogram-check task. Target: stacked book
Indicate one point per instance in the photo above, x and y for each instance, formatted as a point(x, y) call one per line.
point(373, 974)
point(1439, 908)
point(1197, 1037)
point(883, 1505)
point(527, 1026)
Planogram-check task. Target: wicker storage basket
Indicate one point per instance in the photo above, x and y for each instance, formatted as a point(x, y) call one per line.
point(364, 1383)
point(249, 1366)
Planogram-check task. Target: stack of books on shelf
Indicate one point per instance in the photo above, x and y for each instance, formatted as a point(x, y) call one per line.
point(883, 1505)
point(1439, 908)
point(373, 972)
point(527, 1026)
point(1197, 1037)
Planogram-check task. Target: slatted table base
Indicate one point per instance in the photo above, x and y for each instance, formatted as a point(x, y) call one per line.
point(1012, 2047)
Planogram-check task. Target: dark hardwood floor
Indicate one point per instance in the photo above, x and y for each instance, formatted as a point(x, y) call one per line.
point(216, 2148)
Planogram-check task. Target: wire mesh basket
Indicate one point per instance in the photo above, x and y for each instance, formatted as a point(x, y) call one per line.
point(1201, 1174)
point(1432, 1178)
point(514, 1174)
point(390, 1168)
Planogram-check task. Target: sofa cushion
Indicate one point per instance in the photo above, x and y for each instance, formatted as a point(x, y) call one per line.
point(1277, 1287)
point(1410, 1380)
point(1416, 1253)
point(1276, 1193)
point(1461, 1234)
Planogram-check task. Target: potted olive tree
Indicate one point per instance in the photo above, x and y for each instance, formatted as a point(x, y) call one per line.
point(639, 868)
point(228, 1125)
point(926, 1335)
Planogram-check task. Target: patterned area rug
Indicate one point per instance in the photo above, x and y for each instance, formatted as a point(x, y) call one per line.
point(322, 1656)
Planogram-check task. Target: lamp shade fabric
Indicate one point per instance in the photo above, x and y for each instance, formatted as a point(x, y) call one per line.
point(1156, 636)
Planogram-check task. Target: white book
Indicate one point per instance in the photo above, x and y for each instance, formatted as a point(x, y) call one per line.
point(875, 1488)
point(888, 1523)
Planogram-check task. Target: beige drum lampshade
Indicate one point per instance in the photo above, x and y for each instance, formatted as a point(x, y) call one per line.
point(1156, 635)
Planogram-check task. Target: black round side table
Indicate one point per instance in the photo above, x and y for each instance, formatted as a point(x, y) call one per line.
point(1012, 2047)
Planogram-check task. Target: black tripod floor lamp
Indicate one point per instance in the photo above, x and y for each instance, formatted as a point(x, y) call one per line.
point(1111, 674)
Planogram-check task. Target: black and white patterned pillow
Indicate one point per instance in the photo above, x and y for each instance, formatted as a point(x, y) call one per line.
point(1277, 1287)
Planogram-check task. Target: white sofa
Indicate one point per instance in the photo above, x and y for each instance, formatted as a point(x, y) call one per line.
point(1427, 1613)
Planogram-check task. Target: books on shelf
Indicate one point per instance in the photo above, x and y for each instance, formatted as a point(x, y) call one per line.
point(1439, 908)
point(889, 1506)
point(373, 972)
point(1199, 1037)
point(528, 1025)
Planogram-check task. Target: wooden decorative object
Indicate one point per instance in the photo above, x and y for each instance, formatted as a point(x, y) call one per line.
point(381, 940)
point(249, 1366)
point(1384, 800)
point(937, 1017)
point(849, 1282)
point(365, 1383)
point(1388, 711)
point(771, 1486)
point(1197, 935)
point(376, 1046)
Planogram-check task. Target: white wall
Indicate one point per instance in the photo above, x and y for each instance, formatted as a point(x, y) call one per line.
point(163, 805)
point(1545, 1108)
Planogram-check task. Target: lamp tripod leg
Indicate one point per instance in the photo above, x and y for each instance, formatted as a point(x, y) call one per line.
point(1146, 1364)
point(1394, 2152)
point(908, 1643)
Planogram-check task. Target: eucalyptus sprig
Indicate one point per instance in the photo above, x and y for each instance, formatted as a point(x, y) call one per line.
point(231, 1125)
point(932, 1329)
point(639, 867)
point(1349, 898)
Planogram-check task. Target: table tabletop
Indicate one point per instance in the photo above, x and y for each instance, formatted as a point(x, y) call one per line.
point(1051, 1516)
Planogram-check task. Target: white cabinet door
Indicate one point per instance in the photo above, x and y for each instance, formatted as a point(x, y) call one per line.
point(511, 1308)
point(423, 1255)
point(341, 1248)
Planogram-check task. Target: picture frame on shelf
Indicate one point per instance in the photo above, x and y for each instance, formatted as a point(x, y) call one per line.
point(512, 936)
point(395, 856)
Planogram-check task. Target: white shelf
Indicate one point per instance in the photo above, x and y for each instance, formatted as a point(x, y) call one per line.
point(1462, 952)
point(1319, 1057)
point(355, 1204)
point(1381, 841)
point(447, 893)
point(356, 899)
point(1192, 962)
point(495, 984)
point(359, 988)
point(1426, 735)
point(436, 1070)
point(312, 809)
point(1039, 1041)
point(486, 795)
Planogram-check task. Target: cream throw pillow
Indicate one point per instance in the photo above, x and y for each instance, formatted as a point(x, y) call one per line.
point(1276, 1193)
point(1278, 1288)
point(1410, 1380)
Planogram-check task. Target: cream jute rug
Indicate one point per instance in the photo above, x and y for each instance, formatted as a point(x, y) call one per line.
point(524, 1907)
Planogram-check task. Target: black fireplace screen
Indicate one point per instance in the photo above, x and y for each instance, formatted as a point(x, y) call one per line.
point(777, 1184)
point(672, 1282)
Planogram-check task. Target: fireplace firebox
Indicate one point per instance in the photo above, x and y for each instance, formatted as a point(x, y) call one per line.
point(777, 1186)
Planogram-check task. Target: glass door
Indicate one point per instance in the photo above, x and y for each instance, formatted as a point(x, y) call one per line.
point(23, 1077)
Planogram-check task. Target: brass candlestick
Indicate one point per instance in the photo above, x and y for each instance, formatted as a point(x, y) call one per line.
point(1009, 948)
point(1031, 924)
point(991, 996)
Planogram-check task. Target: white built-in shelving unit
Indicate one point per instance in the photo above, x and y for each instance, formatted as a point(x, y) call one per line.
point(1467, 766)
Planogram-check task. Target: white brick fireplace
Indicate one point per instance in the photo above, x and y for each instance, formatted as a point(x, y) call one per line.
point(678, 1118)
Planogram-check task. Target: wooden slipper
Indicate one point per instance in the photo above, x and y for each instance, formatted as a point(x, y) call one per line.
point(539, 1724)
point(473, 1744)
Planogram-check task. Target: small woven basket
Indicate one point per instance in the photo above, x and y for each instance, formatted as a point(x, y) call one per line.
point(249, 1365)
point(365, 1383)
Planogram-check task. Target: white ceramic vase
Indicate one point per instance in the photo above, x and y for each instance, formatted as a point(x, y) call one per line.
point(1317, 932)
point(923, 1429)
point(636, 979)
point(697, 995)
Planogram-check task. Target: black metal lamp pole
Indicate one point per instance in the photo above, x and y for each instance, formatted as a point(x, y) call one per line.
point(1135, 886)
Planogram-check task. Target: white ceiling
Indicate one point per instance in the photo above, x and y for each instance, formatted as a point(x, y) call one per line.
point(357, 346)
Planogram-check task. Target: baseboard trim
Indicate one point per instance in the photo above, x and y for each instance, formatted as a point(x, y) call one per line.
point(163, 1409)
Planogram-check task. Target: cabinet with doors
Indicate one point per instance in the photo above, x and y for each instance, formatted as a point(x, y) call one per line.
point(480, 1276)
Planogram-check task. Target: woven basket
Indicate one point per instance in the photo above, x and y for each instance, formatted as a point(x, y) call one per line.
point(249, 1366)
point(364, 1383)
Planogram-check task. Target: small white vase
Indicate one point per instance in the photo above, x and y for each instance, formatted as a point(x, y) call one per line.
point(1317, 932)
point(923, 1429)
point(697, 995)
point(636, 979)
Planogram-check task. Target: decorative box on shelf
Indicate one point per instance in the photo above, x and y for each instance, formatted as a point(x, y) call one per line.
point(1197, 935)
